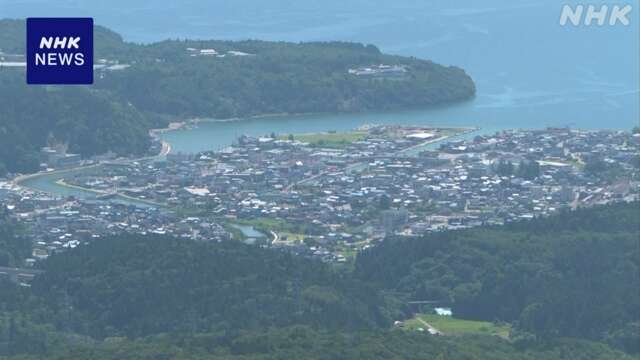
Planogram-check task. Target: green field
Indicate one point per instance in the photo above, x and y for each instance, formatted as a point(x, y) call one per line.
point(451, 326)
point(330, 140)
point(347, 251)
point(266, 225)
point(293, 237)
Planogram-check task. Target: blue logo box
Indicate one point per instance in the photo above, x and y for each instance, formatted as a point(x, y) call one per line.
point(59, 51)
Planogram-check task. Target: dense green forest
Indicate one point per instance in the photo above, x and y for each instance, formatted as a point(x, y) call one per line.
point(90, 122)
point(278, 78)
point(305, 343)
point(167, 81)
point(135, 286)
point(13, 247)
point(121, 287)
point(568, 287)
point(575, 274)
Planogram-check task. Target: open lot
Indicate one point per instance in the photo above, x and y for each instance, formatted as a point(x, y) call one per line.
point(451, 326)
point(330, 139)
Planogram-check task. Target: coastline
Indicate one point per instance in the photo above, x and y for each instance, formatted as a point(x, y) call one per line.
point(166, 149)
point(178, 125)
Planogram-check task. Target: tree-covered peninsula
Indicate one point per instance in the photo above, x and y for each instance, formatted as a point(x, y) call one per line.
point(141, 86)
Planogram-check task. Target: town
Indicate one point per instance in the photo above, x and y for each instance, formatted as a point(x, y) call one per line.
point(330, 195)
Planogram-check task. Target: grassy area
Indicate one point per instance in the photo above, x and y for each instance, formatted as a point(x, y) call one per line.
point(330, 140)
point(452, 326)
point(264, 223)
point(267, 224)
point(291, 236)
point(346, 251)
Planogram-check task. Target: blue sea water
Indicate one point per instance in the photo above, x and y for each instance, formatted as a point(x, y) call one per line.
point(530, 71)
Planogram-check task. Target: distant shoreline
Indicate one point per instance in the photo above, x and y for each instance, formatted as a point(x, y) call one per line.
point(178, 125)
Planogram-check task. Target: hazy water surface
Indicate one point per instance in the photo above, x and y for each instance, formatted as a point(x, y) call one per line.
point(530, 71)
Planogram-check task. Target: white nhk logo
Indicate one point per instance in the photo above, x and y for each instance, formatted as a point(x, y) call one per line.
point(618, 14)
point(56, 58)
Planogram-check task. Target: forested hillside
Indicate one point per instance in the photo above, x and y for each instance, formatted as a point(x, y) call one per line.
point(144, 86)
point(305, 343)
point(277, 78)
point(576, 274)
point(137, 286)
point(90, 122)
point(13, 247)
point(567, 286)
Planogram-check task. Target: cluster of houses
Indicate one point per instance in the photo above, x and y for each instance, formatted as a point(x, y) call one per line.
point(215, 53)
point(380, 70)
point(103, 66)
point(329, 202)
point(57, 224)
point(12, 60)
